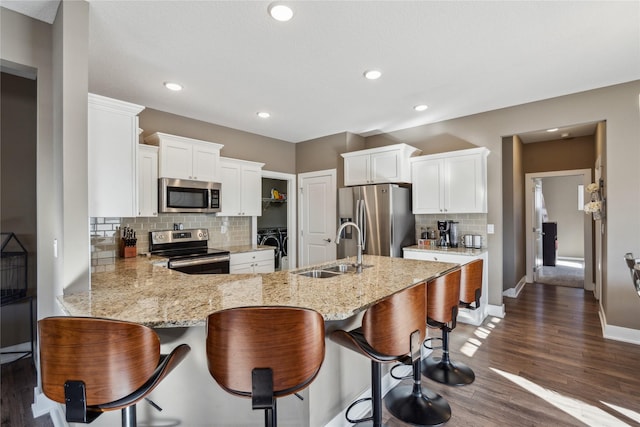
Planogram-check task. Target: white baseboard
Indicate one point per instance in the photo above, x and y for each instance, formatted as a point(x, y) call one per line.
point(42, 405)
point(514, 292)
point(496, 310)
point(618, 333)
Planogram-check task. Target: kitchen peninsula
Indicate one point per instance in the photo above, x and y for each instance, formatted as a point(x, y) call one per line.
point(176, 304)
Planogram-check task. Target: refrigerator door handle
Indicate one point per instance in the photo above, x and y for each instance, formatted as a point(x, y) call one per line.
point(363, 224)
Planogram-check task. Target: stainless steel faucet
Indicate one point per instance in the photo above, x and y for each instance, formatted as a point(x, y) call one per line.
point(358, 263)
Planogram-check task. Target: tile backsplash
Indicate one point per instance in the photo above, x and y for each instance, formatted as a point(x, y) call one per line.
point(104, 233)
point(470, 223)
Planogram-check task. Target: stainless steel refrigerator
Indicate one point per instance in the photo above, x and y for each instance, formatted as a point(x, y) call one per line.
point(383, 213)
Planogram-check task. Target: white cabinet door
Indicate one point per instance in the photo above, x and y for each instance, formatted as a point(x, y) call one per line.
point(241, 187)
point(427, 195)
point(206, 162)
point(454, 182)
point(147, 180)
point(176, 159)
point(186, 158)
point(465, 189)
point(388, 164)
point(112, 157)
point(356, 170)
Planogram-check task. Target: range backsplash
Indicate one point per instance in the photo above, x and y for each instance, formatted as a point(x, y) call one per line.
point(104, 233)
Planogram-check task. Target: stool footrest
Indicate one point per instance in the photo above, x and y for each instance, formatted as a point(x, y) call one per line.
point(346, 415)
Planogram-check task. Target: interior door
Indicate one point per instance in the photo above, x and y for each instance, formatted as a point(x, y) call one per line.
point(317, 211)
point(537, 227)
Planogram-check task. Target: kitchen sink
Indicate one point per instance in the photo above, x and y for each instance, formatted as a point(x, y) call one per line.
point(330, 271)
point(319, 274)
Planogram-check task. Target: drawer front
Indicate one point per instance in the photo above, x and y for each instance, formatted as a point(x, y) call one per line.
point(249, 257)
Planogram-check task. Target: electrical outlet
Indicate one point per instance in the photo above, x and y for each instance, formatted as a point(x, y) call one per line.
point(490, 229)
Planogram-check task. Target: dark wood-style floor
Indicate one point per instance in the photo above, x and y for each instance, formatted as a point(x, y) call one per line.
point(544, 364)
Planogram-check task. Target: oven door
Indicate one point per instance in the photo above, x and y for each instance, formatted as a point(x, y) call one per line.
point(201, 265)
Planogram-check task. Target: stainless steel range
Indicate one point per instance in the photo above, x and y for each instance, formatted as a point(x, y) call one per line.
point(188, 252)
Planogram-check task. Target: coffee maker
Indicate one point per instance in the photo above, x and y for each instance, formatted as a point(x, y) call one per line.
point(443, 228)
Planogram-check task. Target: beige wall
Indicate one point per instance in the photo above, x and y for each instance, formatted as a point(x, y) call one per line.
point(18, 194)
point(514, 262)
point(618, 105)
point(563, 154)
point(561, 200)
point(277, 155)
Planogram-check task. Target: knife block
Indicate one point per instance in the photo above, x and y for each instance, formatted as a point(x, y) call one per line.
point(127, 251)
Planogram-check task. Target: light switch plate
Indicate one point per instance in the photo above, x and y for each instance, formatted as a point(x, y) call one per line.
point(490, 229)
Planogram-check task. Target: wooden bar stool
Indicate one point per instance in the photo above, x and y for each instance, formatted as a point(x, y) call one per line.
point(443, 297)
point(96, 365)
point(471, 284)
point(265, 352)
point(392, 329)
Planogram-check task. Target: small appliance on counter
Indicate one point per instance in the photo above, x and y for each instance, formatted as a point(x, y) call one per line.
point(443, 228)
point(453, 234)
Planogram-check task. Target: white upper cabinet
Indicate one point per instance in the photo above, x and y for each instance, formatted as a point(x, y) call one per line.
point(112, 156)
point(241, 187)
point(379, 165)
point(454, 182)
point(186, 158)
point(147, 180)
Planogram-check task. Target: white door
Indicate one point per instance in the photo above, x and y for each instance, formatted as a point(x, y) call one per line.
point(317, 217)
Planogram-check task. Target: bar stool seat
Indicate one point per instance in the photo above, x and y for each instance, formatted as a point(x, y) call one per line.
point(392, 329)
point(265, 352)
point(443, 298)
point(95, 365)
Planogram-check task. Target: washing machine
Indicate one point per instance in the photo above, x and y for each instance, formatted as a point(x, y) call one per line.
point(271, 237)
point(284, 241)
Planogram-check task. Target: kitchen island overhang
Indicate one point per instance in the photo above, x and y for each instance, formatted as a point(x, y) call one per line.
point(138, 290)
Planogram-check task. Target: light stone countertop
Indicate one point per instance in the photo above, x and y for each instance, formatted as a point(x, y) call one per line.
point(461, 250)
point(141, 292)
point(237, 249)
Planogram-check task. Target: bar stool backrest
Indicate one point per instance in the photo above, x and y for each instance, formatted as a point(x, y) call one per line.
point(388, 325)
point(113, 358)
point(289, 340)
point(471, 282)
point(443, 297)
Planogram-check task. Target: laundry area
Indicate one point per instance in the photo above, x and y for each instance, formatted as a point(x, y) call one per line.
point(272, 225)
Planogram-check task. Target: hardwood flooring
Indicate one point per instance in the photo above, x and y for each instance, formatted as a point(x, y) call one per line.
point(544, 364)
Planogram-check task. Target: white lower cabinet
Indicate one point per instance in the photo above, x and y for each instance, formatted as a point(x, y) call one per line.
point(252, 262)
point(465, 315)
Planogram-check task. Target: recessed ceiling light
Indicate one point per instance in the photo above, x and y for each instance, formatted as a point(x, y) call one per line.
point(173, 86)
point(552, 130)
point(421, 107)
point(263, 114)
point(372, 74)
point(280, 12)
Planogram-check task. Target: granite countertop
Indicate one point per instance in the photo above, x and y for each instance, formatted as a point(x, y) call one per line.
point(237, 249)
point(444, 250)
point(140, 291)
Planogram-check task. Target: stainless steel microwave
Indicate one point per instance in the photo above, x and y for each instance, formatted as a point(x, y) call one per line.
point(183, 195)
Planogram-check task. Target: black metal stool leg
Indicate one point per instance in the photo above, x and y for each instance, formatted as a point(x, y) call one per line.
point(415, 404)
point(443, 370)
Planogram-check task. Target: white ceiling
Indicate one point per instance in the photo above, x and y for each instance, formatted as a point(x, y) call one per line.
point(460, 58)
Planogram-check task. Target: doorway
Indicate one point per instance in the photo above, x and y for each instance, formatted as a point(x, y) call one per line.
point(559, 241)
point(277, 225)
